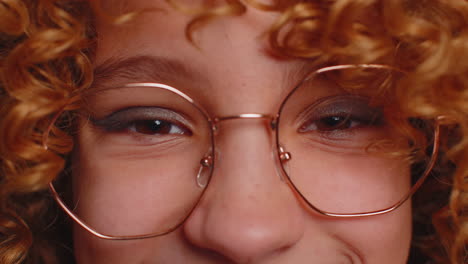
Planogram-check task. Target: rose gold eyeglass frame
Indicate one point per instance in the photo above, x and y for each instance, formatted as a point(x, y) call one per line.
point(281, 154)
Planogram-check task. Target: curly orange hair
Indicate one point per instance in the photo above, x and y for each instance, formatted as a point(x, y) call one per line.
point(46, 53)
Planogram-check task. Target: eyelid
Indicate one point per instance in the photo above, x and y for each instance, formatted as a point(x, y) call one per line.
point(123, 117)
point(338, 104)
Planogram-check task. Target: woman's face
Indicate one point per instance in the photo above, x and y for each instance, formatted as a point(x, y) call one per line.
point(248, 213)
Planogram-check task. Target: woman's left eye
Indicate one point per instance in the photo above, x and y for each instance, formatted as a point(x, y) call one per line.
point(156, 127)
point(333, 123)
point(340, 114)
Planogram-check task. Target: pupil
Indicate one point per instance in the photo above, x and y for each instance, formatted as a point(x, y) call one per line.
point(335, 122)
point(152, 127)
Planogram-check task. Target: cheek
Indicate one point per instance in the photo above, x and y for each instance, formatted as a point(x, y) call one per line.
point(90, 249)
point(348, 183)
point(125, 196)
point(381, 239)
point(355, 183)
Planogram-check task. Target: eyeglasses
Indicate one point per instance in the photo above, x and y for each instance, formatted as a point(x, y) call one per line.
point(335, 148)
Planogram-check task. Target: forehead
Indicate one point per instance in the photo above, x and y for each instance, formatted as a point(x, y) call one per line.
point(161, 29)
point(229, 59)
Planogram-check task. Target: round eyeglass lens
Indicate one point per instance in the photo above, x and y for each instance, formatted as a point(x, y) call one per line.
point(344, 157)
point(142, 163)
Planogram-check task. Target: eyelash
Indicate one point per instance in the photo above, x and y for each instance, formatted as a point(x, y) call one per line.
point(342, 121)
point(335, 116)
point(331, 118)
point(153, 127)
point(144, 121)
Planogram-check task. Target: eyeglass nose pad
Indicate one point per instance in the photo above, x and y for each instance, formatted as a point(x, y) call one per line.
point(284, 157)
point(204, 172)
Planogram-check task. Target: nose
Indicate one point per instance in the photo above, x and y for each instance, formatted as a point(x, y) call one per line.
point(248, 213)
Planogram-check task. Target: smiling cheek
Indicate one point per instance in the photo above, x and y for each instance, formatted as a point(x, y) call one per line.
point(380, 239)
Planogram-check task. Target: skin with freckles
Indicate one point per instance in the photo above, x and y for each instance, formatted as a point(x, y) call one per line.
point(247, 214)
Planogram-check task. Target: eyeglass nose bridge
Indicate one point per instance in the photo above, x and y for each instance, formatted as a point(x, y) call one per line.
point(283, 154)
point(273, 121)
point(207, 162)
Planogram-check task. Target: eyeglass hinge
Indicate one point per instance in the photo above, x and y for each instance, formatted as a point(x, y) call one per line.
point(273, 124)
point(206, 161)
point(284, 155)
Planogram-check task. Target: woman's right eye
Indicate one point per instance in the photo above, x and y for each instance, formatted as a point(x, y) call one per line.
point(156, 127)
point(152, 121)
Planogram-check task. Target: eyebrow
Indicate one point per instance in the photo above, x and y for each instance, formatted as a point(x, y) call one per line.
point(115, 72)
point(141, 68)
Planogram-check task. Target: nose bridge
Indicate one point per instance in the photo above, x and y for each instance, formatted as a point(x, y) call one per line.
point(239, 137)
point(270, 122)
